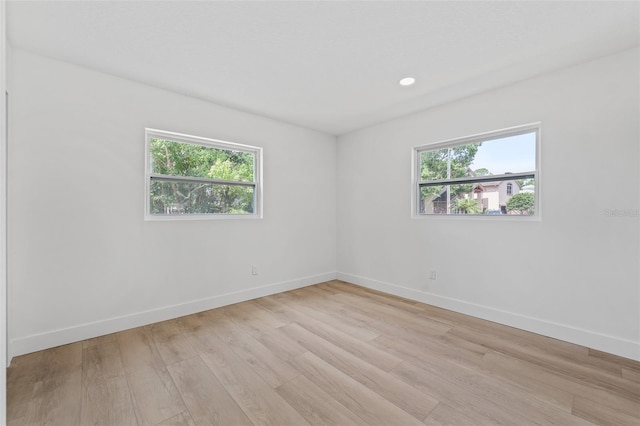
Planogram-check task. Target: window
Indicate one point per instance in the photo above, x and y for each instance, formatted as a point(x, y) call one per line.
point(189, 177)
point(490, 174)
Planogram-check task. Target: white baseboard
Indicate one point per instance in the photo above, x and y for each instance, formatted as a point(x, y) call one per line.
point(50, 339)
point(590, 339)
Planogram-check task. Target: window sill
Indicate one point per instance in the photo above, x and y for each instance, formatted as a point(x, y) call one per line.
point(487, 217)
point(204, 217)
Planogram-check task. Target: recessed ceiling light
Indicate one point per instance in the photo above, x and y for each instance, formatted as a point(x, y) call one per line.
point(407, 81)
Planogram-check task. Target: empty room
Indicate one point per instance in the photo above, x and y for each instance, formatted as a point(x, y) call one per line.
point(320, 212)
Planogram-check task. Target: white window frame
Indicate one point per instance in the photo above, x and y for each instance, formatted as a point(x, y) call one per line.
point(481, 137)
point(210, 143)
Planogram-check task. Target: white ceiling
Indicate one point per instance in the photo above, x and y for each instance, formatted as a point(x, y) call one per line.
point(332, 66)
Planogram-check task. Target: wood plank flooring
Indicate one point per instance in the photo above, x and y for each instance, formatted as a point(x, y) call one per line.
point(330, 354)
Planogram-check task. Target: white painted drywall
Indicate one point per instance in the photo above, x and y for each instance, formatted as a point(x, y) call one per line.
point(3, 212)
point(574, 274)
point(83, 261)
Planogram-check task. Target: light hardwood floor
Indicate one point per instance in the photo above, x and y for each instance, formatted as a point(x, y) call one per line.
point(333, 353)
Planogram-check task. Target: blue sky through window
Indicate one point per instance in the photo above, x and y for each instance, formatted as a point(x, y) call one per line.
point(511, 154)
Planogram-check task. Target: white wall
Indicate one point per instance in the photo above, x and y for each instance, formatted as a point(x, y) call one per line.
point(3, 211)
point(573, 275)
point(83, 262)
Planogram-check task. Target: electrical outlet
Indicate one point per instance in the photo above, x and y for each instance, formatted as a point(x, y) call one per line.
point(254, 270)
point(433, 274)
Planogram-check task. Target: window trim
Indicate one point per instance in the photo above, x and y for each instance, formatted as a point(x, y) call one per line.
point(209, 143)
point(416, 183)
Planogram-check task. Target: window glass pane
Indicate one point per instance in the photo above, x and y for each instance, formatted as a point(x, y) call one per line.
point(488, 198)
point(184, 159)
point(511, 154)
point(448, 163)
point(178, 197)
